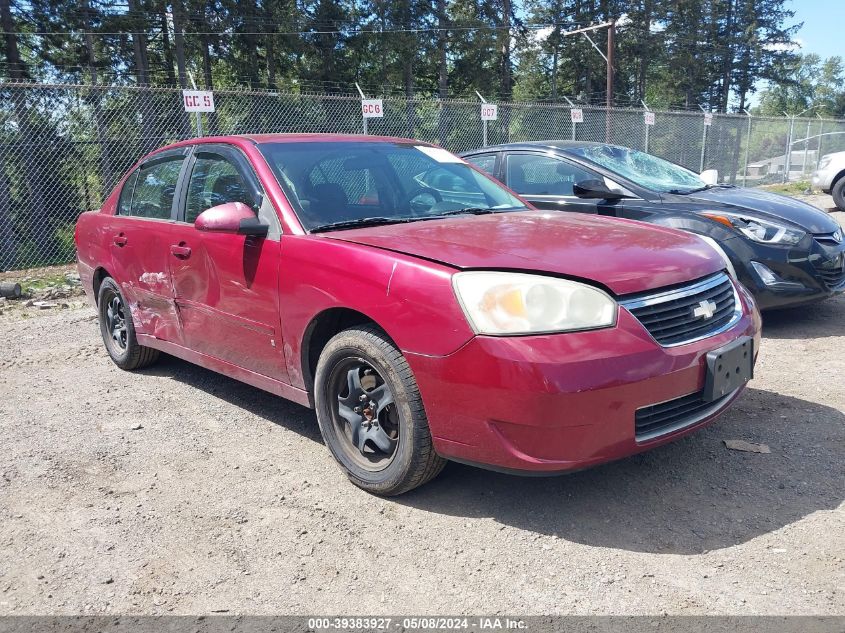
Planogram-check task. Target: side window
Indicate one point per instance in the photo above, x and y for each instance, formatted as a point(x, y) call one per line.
point(124, 203)
point(543, 175)
point(214, 180)
point(485, 162)
point(155, 188)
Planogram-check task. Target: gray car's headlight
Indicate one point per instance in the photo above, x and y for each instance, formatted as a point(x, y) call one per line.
point(500, 303)
point(763, 231)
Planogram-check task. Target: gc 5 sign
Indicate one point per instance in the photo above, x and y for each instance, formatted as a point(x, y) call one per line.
point(198, 100)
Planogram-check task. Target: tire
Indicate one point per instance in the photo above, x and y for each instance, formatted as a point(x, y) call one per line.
point(838, 193)
point(121, 343)
point(396, 415)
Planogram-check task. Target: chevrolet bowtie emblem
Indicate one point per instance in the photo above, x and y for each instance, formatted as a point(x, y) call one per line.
point(705, 309)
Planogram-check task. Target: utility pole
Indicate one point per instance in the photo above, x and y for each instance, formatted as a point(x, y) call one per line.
point(611, 32)
point(608, 58)
point(703, 140)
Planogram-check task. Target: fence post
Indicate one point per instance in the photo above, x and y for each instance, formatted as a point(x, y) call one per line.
point(787, 158)
point(747, 149)
point(196, 114)
point(363, 118)
point(483, 121)
point(646, 126)
point(821, 136)
point(806, 148)
point(703, 141)
point(572, 121)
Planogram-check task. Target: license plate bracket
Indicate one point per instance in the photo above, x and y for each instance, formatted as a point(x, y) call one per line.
point(729, 368)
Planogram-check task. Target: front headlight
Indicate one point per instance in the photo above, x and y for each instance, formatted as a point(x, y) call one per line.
point(763, 231)
point(825, 161)
point(500, 303)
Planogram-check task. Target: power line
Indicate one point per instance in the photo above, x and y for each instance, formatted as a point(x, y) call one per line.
point(234, 33)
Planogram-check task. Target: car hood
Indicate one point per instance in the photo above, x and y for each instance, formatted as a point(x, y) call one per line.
point(766, 204)
point(623, 255)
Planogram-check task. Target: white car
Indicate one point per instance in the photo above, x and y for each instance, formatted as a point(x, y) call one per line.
point(830, 177)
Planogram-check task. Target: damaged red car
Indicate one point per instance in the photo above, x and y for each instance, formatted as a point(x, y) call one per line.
point(425, 311)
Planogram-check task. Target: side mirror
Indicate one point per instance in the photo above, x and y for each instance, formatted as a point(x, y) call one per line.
point(231, 217)
point(595, 188)
point(710, 177)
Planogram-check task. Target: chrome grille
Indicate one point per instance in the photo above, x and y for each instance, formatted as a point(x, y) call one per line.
point(829, 239)
point(688, 313)
point(834, 276)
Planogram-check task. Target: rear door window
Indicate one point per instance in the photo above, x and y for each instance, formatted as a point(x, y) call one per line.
point(155, 189)
point(533, 174)
point(485, 162)
point(124, 204)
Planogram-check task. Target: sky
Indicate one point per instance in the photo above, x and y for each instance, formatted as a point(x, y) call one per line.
point(822, 31)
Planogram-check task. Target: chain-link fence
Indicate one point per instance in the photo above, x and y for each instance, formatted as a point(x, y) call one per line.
point(63, 147)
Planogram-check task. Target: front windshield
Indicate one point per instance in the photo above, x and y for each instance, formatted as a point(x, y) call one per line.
point(643, 169)
point(341, 182)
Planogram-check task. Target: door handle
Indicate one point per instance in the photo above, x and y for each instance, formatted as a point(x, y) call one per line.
point(120, 240)
point(180, 250)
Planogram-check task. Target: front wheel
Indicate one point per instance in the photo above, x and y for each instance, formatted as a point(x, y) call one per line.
point(371, 414)
point(118, 330)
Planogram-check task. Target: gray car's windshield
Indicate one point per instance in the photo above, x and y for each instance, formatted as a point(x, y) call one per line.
point(334, 185)
point(643, 169)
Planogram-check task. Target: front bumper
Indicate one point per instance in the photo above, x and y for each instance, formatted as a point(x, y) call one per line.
point(808, 271)
point(562, 402)
point(822, 180)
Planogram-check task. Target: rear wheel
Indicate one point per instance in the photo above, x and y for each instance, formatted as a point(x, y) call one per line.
point(371, 414)
point(118, 330)
point(838, 193)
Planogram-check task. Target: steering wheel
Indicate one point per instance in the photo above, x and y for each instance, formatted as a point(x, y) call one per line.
point(419, 209)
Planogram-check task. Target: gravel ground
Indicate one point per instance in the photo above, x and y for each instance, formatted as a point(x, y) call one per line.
point(176, 490)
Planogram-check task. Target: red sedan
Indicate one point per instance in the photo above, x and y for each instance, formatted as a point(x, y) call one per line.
point(422, 309)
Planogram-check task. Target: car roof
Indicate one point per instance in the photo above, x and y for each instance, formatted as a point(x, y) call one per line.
point(551, 144)
point(316, 138)
point(260, 139)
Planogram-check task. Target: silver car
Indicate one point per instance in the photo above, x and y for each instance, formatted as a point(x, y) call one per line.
point(830, 177)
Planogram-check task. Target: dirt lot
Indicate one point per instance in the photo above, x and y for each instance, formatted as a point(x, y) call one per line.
point(176, 490)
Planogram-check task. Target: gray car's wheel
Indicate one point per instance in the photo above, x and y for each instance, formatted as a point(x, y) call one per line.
point(371, 414)
point(118, 330)
point(838, 193)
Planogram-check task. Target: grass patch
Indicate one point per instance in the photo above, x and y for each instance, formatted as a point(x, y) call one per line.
point(790, 188)
point(39, 283)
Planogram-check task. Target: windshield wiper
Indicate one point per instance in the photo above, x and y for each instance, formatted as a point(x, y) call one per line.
point(375, 221)
point(684, 192)
point(361, 222)
point(465, 210)
point(475, 211)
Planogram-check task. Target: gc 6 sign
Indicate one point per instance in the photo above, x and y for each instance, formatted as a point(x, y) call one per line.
point(372, 108)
